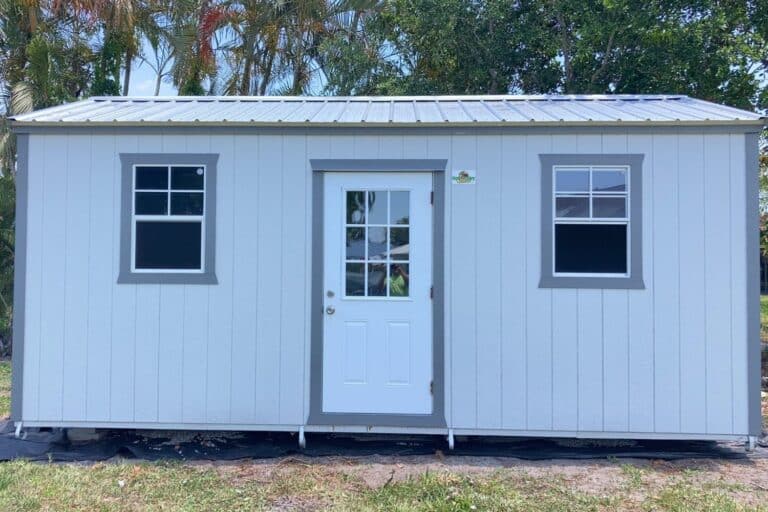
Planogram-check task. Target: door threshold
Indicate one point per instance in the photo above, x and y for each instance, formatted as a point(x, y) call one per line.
point(432, 420)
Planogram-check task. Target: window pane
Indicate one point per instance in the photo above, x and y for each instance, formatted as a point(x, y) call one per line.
point(399, 280)
point(152, 178)
point(614, 180)
point(572, 181)
point(591, 248)
point(187, 178)
point(572, 207)
point(398, 243)
point(356, 207)
point(151, 203)
point(355, 279)
point(168, 245)
point(377, 207)
point(377, 280)
point(377, 243)
point(399, 205)
point(186, 203)
point(355, 244)
point(609, 207)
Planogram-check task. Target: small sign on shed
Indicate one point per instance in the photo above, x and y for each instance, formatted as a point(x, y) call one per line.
point(464, 177)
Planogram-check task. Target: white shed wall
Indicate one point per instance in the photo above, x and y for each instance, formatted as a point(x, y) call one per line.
point(670, 359)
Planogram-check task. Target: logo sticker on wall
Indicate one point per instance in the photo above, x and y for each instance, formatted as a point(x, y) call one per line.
point(464, 177)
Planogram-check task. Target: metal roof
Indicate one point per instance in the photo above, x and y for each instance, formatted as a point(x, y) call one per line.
point(391, 111)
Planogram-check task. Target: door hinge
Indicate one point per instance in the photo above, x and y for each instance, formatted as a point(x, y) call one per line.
point(431, 387)
point(431, 292)
point(432, 198)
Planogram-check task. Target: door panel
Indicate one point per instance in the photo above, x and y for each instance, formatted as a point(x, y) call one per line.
point(377, 332)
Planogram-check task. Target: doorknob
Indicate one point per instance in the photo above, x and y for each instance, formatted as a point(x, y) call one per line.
point(330, 310)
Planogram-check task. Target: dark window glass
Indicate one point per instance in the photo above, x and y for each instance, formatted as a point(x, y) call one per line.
point(591, 248)
point(186, 203)
point(152, 178)
point(356, 207)
point(187, 178)
point(151, 203)
point(168, 245)
point(355, 279)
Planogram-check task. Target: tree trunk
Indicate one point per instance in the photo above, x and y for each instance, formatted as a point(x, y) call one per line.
point(128, 63)
point(157, 83)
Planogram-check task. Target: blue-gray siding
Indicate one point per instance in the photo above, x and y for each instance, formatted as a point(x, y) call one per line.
point(671, 358)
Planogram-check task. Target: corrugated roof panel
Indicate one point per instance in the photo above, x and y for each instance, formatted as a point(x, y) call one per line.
point(403, 112)
point(393, 111)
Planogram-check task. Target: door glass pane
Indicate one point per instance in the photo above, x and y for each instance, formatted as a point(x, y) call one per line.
point(572, 180)
point(399, 206)
point(613, 180)
point(377, 279)
point(609, 207)
point(377, 207)
point(399, 280)
point(355, 243)
point(356, 207)
point(572, 207)
point(355, 279)
point(377, 243)
point(398, 243)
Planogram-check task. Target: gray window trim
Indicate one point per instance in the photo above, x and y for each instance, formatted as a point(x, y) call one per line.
point(635, 278)
point(128, 160)
point(316, 414)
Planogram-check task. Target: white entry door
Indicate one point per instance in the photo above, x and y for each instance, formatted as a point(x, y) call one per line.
point(377, 336)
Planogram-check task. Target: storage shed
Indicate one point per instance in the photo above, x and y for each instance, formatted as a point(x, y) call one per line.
point(573, 266)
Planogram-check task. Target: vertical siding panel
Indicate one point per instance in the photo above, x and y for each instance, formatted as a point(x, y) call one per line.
point(76, 256)
point(122, 369)
point(641, 387)
point(590, 360)
point(147, 331)
point(365, 146)
point(489, 268)
point(539, 301)
point(171, 331)
point(296, 176)
point(739, 274)
point(318, 146)
point(34, 277)
point(196, 310)
point(615, 336)
point(461, 273)
point(666, 283)
point(392, 146)
point(219, 349)
point(270, 268)
point(718, 286)
point(245, 278)
point(104, 173)
point(565, 341)
point(52, 320)
point(692, 313)
point(514, 222)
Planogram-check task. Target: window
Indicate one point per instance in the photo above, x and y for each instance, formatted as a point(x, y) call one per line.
point(377, 243)
point(591, 221)
point(169, 203)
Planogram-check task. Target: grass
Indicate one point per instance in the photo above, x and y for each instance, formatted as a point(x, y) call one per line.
point(764, 317)
point(379, 484)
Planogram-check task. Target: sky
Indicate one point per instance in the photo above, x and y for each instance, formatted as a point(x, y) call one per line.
point(143, 82)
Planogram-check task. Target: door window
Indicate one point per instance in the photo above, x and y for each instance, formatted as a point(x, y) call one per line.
point(377, 233)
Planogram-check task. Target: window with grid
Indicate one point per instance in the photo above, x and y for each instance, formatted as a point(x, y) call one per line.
point(591, 220)
point(168, 221)
point(377, 233)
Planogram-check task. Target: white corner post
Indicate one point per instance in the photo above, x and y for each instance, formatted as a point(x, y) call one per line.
point(451, 439)
point(751, 443)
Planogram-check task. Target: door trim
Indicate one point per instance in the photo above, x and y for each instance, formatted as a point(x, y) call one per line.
point(316, 414)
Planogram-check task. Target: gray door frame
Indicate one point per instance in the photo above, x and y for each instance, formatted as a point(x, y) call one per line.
point(316, 414)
